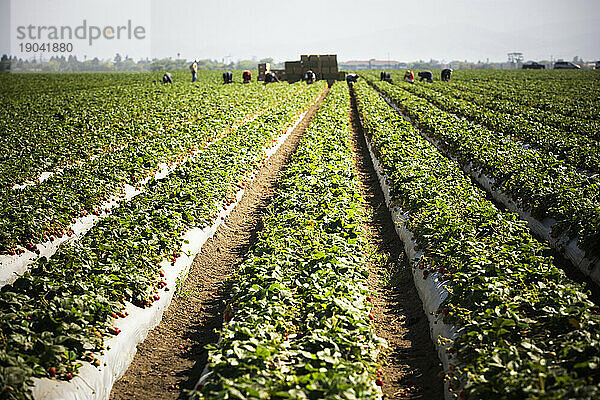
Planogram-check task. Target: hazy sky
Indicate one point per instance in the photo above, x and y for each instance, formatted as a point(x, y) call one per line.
point(400, 30)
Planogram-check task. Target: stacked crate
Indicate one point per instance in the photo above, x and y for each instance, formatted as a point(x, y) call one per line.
point(311, 62)
point(329, 67)
point(293, 71)
point(263, 68)
point(280, 74)
point(325, 67)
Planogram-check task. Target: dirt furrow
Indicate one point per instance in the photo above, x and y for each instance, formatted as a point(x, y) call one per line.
point(411, 367)
point(173, 355)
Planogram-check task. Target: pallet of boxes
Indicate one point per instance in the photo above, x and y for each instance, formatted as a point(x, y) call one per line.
point(325, 68)
point(328, 69)
point(280, 74)
point(263, 68)
point(293, 71)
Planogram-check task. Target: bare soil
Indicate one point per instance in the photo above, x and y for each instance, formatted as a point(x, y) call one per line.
point(411, 368)
point(173, 355)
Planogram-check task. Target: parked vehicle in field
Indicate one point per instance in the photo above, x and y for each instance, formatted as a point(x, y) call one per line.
point(565, 65)
point(534, 65)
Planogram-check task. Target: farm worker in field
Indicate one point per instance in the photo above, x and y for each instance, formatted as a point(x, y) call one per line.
point(385, 76)
point(270, 77)
point(247, 76)
point(446, 72)
point(409, 76)
point(310, 77)
point(426, 75)
point(194, 70)
point(167, 78)
point(351, 79)
point(227, 77)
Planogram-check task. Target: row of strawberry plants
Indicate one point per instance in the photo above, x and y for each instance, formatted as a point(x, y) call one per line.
point(527, 331)
point(571, 94)
point(49, 130)
point(577, 149)
point(32, 85)
point(488, 100)
point(298, 324)
point(538, 182)
point(60, 312)
point(53, 129)
point(38, 212)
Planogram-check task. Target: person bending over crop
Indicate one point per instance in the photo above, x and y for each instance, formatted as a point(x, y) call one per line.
point(385, 76)
point(446, 72)
point(227, 77)
point(246, 76)
point(426, 75)
point(409, 76)
point(167, 78)
point(351, 79)
point(310, 77)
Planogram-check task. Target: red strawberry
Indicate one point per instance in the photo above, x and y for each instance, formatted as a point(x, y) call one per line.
point(379, 382)
point(52, 371)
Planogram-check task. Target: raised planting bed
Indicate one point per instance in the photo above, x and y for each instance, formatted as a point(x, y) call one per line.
point(299, 323)
point(56, 318)
point(508, 324)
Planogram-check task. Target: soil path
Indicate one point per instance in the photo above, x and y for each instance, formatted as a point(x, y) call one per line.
point(172, 357)
point(411, 368)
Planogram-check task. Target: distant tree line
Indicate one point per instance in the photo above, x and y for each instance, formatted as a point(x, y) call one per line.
point(119, 63)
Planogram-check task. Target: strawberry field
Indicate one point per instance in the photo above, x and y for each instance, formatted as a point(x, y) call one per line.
point(112, 184)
